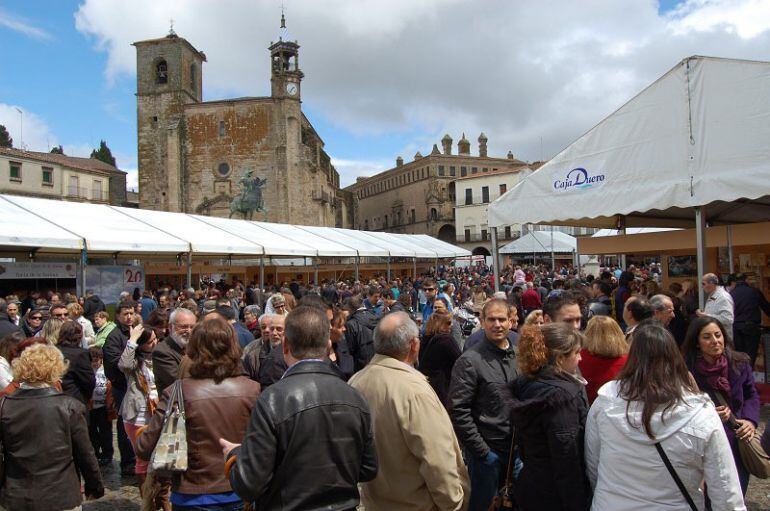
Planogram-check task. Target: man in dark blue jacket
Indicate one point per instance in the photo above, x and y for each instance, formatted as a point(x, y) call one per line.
point(749, 303)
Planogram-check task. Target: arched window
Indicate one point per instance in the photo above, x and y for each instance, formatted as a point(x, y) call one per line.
point(433, 214)
point(161, 72)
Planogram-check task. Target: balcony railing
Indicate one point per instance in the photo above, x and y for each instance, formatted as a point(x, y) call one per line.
point(475, 237)
point(82, 192)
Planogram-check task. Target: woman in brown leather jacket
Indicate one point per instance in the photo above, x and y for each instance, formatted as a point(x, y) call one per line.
point(218, 399)
point(45, 439)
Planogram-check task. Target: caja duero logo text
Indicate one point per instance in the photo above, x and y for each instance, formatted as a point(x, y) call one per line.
point(577, 179)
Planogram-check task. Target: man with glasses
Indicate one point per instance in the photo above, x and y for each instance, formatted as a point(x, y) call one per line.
point(59, 311)
point(719, 303)
point(430, 289)
point(663, 309)
point(168, 354)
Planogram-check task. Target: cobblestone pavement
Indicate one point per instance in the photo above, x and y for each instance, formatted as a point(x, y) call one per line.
point(121, 493)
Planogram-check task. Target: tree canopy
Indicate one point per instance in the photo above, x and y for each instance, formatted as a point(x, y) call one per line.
point(5, 137)
point(57, 150)
point(103, 154)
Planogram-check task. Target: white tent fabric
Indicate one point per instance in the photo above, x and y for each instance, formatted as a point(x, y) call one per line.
point(602, 233)
point(540, 242)
point(65, 227)
point(103, 228)
point(203, 238)
point(21, 228)
point(698, 136)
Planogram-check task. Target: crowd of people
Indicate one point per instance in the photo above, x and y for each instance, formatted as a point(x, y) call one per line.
point(559, 391)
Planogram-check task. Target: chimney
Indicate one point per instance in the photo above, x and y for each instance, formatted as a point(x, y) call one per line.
point(446, 143)
point(399, 161)
point(483, 145)
point(463, 146)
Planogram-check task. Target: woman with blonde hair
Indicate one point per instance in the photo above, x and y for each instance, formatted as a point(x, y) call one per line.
point(75, 312)
point(50, 331)
point(548, 411)
point(438, 354)
point(534, 318)
point(45, 438)
point(604, 354)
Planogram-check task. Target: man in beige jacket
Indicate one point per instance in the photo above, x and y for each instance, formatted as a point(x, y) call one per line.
point(421, 466)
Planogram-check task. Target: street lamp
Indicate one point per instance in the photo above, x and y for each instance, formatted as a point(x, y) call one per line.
point(21, 128)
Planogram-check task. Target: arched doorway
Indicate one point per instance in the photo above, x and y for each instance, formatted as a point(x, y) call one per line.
point(481, 251)
point(447, 233)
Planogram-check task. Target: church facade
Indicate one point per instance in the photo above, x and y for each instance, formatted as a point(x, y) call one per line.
point(221, 157)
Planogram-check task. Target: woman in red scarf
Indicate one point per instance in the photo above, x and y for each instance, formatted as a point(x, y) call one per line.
point(726, 376)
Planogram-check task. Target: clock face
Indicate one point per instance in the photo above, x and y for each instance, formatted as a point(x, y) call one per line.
point(291, 89)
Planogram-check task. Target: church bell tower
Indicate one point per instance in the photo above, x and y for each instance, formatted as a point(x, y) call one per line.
point(285, 75)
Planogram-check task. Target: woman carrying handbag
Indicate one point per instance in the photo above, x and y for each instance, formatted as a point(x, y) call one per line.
point(216, 402)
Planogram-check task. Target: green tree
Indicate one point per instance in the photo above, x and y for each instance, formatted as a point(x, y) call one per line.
point(103, 154)
point(5, 137)
point(57, 150)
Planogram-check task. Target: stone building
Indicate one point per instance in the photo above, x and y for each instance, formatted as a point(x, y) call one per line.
point(58, 176)
point(194, 155)
point(419, 197)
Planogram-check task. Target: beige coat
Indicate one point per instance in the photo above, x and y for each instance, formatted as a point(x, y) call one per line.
point(421, 467)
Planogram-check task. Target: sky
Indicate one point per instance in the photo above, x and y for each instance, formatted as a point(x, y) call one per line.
point(383, 78)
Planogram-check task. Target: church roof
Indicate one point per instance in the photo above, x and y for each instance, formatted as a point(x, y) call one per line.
point(90, 164)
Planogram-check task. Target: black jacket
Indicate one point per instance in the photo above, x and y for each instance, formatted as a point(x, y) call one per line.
point(308, 444)
point(46, 444)
point(359, 334)
point(549, 416)
point(438, 354)
point(749, 304)
point(601, 306)
point(79, 380)
point(113, 349)
point(272, 367)
point(6, 325)
point(91, 306)
point(480, 415)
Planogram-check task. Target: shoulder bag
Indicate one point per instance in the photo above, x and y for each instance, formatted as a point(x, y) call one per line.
point(504, 497)
point(754, 457)
point(170, 453)
point(675, 476)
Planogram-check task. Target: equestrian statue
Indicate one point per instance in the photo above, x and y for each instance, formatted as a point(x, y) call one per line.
point(250, 200)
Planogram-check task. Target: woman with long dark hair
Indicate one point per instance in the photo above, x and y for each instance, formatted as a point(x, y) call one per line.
point(654, 409)
point(548, 410)
point(726, 376)
point(438, 354)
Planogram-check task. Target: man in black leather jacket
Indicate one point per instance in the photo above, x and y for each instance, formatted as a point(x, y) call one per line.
point(480, 415)
point(309, 441)
point(359, 332)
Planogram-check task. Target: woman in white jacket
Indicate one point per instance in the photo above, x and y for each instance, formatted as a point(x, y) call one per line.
point(655, 400)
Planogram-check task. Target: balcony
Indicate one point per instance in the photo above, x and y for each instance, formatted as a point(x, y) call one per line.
point(476, 237)
point(84, 193)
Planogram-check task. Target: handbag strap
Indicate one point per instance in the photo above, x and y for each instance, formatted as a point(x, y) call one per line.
point(179, 396)
point(675, 476)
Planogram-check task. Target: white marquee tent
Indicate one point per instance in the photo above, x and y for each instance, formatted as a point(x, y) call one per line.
point(691, 147)
point(43, 226)
point(539, 242)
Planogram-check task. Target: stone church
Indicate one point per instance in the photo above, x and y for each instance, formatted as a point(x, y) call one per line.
point(199, 156)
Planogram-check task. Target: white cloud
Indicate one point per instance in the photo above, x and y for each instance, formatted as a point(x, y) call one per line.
point(22, 26)
point(519, 71)
point(349, 170)
point(27, 128)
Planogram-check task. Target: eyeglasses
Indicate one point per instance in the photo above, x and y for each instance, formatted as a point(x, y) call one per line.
point(429, 289)
point(282, 306)
point(36, 318)
point(62, 315)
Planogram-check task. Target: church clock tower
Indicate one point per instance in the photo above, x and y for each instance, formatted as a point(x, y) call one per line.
point(285, 75)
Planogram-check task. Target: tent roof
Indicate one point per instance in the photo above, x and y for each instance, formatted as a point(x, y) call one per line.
point(695, 137)
point(56, 226)
point(22, 228)
point(103, 228)
point(203, 238)
point(540, 242)
point(601, 233)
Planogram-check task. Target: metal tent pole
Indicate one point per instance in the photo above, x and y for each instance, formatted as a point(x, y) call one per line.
point(414, 269)
point(262, 278)
point(730, 247)
point(700, 246)
point(553, 255)
point(189, 269)
point(83, 264)
point(315, 275)
point(388, 262)
point(495, 260)
point(358, 263)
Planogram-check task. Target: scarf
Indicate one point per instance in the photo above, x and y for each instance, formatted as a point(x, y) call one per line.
point(715, 374)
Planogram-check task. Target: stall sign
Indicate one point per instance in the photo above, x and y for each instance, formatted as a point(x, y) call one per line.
point(34, 270)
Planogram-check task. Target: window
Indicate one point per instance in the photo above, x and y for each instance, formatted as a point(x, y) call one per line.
point(73, 186)
point(161, 72)
point(508, 232)
point(483, 235)
point(433, 214)
point(15, 174)
point(385, 224)
point(96, 189)
point(452, 171)
point(503, 188)
point(440, 170)
point(414, 216)
point(485, 194)
point(463, 171)
point(193, 77)
point(485, 169)
point(221, 129)
point(474, 170)
point(467, 235)
point(366, 224)
point(223, 169)
point(468, 196)
point(47, 176)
